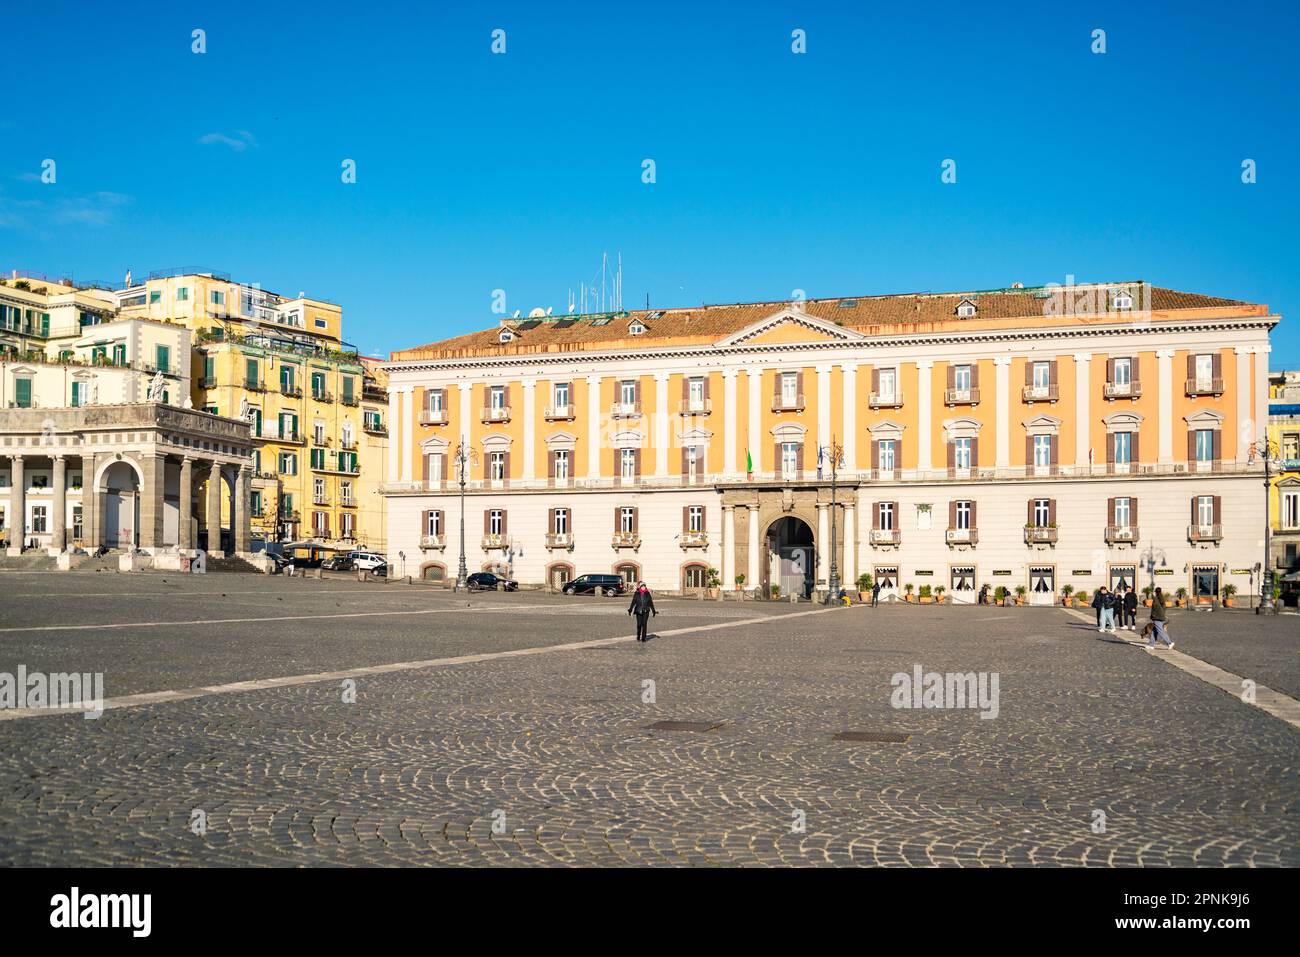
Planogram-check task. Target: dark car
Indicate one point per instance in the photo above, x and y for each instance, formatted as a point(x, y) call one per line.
point(490, 581)
point(338, 563)
point(599, 584)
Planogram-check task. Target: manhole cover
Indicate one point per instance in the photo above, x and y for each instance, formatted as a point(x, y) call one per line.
point(685, 725)
point(880, 737)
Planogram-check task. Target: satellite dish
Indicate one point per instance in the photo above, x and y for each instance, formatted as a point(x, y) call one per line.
point(571, 308)
point(548, 310)
point(537, 313)
point(516, 313)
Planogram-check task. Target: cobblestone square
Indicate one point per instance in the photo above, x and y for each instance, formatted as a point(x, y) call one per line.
point(515, 729)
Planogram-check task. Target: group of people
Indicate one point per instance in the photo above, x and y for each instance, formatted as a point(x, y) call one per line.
point(1123, 602)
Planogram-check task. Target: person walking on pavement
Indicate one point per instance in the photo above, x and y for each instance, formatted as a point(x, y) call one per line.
point(1130, 608)
point(1104, 602)
point(875, 593)
point(1159, 620)
point(643, 606)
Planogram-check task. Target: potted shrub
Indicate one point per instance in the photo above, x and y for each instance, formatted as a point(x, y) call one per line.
point(907, 589)
point(1228, 592)
point(713, 582)
point(740, 587)
point(938, 593)
point(926, 595)
point(1000, 595)
point(864, 587)
point(1066, 592)
point(1081, 599)
point(1180, 597)
point(1020, 594)
point(776, 592)
point(1148, 595)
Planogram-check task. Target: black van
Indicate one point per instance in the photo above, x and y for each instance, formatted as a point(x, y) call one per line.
point(600, 584)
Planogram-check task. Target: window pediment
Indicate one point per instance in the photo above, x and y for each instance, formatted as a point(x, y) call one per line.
point(1043, 425)
point(962, 427)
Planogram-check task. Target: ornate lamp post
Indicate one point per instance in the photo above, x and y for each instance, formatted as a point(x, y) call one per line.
point(1148, 558)
point(1267, 451)
point(464, 456)
point(833, 581)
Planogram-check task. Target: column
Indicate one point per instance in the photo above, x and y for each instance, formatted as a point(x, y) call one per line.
point(662, 418)
point(92, 505)
point(185, 522)
point(59, 520)
point(154, 468)
point(593, 426)
point(751, 572)
point(1002, 371)
point(1261, 390)
point(530, 417)
point(726, 541)
point(1082, 416)
point(729, 424)
point(464, 414)
point(823, 569)
point(923, 437)
point(1245, 402)
point(849, 567)
point(1165, 388)
point(407, 430)
point(214, 511)
point(394, 439)
point(241, 529)
point(754, 442)
point(825, 427)
point(17, 517)
point(849, 375)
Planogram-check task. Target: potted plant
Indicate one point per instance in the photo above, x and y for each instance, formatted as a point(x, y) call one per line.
point(926, 595)
point(1066, 592)
point(1020, 594)
point(1148, 595)
point(1180, 597)
point(938, 593)
point(1000, 595)
point(1228, 592)
point(776, 592)
point(907, 590)
point(740, 587)
point(1081, 599)
point(864, 587)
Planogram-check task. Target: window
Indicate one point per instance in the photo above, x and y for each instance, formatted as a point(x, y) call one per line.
point(78, 524)
point(1042, 512)
point(497, 397)
point(154, 295)
point(885, 515)
point(1123, 512)
point(23, 393)
point(627, 520)
point(1123, 301)
point(255, 502)
point(497, 466)
point(887, 455)
point(963, 513)
point(286, 379)
point(288, 425)
point(1204, 372)
point(693, 576)
point(318, 433)
point(961, 378)
point(348, 387)
point(627, 464)
point(560, 396)
point(695, 394)
point(78, 394)
point(182, 294)
point(39, 520)
point(695, 518)
point(636, 329)
point(789, 389)
point(288, 463)
point(888, 386)
point(347, 521)
point(320, 523)
point(627, 393)
point(1123, 448)
point(966, 309)
point(318, 489)
point(962, 452)
point(561, 521)
point(1042, 451)
point(1042, 375)
point(287, 501)
point(1291, 510)
point(506, 335)
point(789, 460)
point(318, 385)
point(1123, 371)
point(318, 458)
point(562, 464)
point(1204, 445)
point(1205, 509)
point(433, 466)
point(496, 520)
point(963, 578)
point(347, 437)
point(373, 421)
point(692, 459)
point(210, 409)
point(433, 523)
point(217, 298)
point(163, 358)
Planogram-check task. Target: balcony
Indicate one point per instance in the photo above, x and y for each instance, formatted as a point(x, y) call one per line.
point(1121, 534)
point(695, 539)
point(493, 541)
point(1040, 393)
point(273, 431)
point(349, 400)
point(433, 541)
point(291, 391)
point(320, 499)
point(320, 395)
point(347, 501)
point(1205, 533)
point(559, 540)
point(492, 414)
point(1204, 387)
point(886, 400)
point(560, 413)
point(433, 416)
point(788, 403)
point(695, 407)
point(625, 410)
point(207, 382)
point(962, 536)
point(348, 445)
point(254, 385)
point(886, 536)
point(1040, 535)
point(626, 540)
point(1121, 390)
point(375, 428)
point(961, 396)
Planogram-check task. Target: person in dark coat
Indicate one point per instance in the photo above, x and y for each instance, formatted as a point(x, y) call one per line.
point(875, 593)
point(1130, 608)
point(643, 606)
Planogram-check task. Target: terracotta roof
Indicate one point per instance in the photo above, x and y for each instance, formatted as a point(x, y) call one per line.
point(873, 315)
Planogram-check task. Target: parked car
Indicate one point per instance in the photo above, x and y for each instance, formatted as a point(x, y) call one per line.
point(489, 581)
point(599, 584)
point(367, 561)
point(338, 563)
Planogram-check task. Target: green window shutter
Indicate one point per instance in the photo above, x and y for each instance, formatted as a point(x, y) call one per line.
point(250, 371)
point(23, 393)
point(164, 356)
point(76, 395)
point(209, 367)
point(119, 354)
point(45, 324)
point(347, 387)
point(154, 295)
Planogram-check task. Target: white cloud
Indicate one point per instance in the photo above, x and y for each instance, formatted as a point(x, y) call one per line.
point(241, 141)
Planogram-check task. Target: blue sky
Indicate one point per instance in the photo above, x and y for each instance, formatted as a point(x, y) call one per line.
point(775, 171)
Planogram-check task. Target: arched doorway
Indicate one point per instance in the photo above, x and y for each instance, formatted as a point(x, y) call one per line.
point(559, 574)
point(119, 483)
point(789, 558)
point(434, 572)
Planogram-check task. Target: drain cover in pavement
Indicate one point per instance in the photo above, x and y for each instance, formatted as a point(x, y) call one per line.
point(881, 737)
point(685, 725)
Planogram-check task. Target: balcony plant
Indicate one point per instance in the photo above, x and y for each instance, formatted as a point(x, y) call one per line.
point(1180, 597)
point(1000, 595)
point(1066, 592)
point(1228, 592)
point(1148, 594)
point(1020, 594)
point(907, 592)
point(926, 595)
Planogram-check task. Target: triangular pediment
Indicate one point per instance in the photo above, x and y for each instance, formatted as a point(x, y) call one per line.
point(791, 327)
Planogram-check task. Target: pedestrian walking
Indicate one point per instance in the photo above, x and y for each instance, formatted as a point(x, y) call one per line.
point(643, 606)
point(1159, 620)
point(875, 593)
point(1130, 608)
point(1104, 602)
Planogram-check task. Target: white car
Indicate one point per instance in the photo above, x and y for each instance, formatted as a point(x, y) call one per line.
point(367, 561)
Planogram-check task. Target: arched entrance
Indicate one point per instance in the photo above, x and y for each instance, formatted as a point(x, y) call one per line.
point(119, 483)
point(789, 560)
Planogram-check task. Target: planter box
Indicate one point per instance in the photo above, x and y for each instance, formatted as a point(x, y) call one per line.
point(908, 598)
point(927, 599)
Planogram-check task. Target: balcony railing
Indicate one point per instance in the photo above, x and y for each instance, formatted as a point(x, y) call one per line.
point(1204, 533)
point(499, 413)
point(494, 541)
point(207, 382)
point(433, 541)
point(433, 416)
point(320, 499)
point(1040, 535)
point(375, 428)
point(556, 413)
point(695, 539)
point(788, 403)
point(272, 431)
point(695, 407)
point(886, 536)
point(348, 445)
point(626, 540)
point(962, 536)
point(625, 410)
point(291, 391)
point(349, 399)
point(1205, 387)
point(320, 395)
point(1040, 393)
point(961, 396)
point(347, 501)
point(886, 400)
point(1122, 533)
point(254, 385)
point(559, 540)
point(1121, 390)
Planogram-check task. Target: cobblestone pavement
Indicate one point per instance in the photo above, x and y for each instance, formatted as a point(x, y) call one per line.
point(1231, 640)
point(548, 759)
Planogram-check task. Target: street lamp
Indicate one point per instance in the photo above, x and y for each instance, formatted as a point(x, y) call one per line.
point(833, 581)
point(464, 456)
point(1148, 558)
point(1266, 450)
